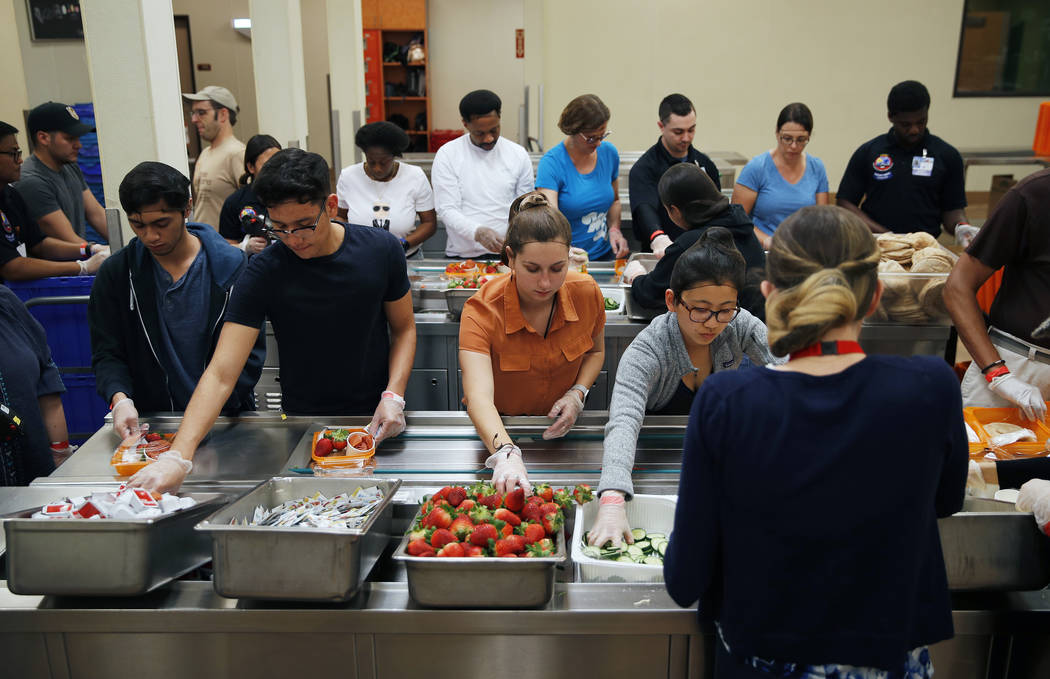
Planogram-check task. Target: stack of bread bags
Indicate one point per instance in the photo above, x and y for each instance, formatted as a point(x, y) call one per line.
point(919, 299)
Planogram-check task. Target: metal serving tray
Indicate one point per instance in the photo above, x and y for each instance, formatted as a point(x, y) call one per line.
point(471, 582)
point(630, 307)
point(105, 557)
point(989, 545)
point(299, 563)
point(456, 299)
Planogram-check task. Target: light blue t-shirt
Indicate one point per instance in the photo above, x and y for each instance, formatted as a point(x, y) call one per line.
point(584, 199)
point(777, 199)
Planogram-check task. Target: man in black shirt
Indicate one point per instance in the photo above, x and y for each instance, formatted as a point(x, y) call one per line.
point(652, 225)
point(340, 302)
point(908, 179)
point(25, 252)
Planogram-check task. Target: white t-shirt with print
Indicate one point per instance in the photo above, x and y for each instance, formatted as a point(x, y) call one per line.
point(390, 205)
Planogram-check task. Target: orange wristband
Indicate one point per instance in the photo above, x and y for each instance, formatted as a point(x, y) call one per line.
point(996, 372)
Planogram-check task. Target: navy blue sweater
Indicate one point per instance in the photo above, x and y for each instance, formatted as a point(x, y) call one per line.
point(799, 530)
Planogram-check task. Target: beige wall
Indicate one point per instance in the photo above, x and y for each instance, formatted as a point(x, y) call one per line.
point(315, 64)
point(741, 61)
point(14, 98)
point(229, 53)
point(55, 70)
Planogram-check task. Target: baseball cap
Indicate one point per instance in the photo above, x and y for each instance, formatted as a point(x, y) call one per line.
point(219, 95)
point(53, 116)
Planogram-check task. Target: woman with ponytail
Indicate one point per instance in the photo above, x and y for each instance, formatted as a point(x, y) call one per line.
point(533, 342)
point(809, 551)
point(703, 332)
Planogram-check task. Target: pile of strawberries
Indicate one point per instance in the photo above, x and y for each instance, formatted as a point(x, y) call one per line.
point(479, 521)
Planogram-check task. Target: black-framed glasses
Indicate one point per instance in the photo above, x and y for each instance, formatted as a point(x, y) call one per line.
point(700, 315)
point(300, 231)
point(16, 154)
point(596, 139)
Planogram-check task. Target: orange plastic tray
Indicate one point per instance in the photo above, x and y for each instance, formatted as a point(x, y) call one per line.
point(152, 450)
point(343, 460)
point(978, 417)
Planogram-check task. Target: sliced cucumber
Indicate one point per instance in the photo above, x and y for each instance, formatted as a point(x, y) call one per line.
point(592, 552)
point(625, 559)
point(634, 551)
point(654, 536)
point(638, 534)
point(644, 544)
point(653, 561)
point(661, 548)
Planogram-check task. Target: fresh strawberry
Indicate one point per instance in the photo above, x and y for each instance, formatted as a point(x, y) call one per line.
point(506, 530)
point(548, 507)
point(474, 550)
point(552, 522)
point(441, 537)
point(339, 444)
point(456, 495)
point(534, 500)
point(425, 509)
point(504, 547)
point(516, 542)
point(466, 505)
point(582, 494)
point(421, 534)
point(323, 448)
point(515, 500)
point(438, 518)
point(482, 533)
point(419, 548)
point(545, 491)
point(536, 550)
point(546, 543)
point(533, 533)
point(452, 549)
point(510, 556)
point(532, 511)
point(153, 436)
point(461, 527)
point(562, 498)
point(440, 495)
point(491, 501)
point(504, 514)
point(480, 515)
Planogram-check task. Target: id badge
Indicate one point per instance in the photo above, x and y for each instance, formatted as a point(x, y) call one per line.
point(922, 166)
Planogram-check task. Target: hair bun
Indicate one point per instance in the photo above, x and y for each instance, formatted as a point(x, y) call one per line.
point(532, 200)
point(719, 236)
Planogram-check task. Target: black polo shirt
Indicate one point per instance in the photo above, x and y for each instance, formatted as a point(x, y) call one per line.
point(16, 226)
point(900, 189)
point(647, 212)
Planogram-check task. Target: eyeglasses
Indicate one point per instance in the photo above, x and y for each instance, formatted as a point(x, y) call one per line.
point(594, 140)
point(199, 112)
point(700, 315)
point(16, 154)
point(788, 141)
point(284, 233)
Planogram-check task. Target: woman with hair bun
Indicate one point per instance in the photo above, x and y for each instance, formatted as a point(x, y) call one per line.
point(703, 332)
point(810, 553)
point(533, 342)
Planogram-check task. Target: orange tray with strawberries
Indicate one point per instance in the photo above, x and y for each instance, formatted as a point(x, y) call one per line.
point(977, 418)
point(341, 446)
point(146, 451)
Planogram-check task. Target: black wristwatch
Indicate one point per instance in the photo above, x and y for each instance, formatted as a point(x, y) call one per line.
point(404, 243)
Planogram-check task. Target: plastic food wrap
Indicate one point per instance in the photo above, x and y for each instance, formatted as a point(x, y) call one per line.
point(139, 450)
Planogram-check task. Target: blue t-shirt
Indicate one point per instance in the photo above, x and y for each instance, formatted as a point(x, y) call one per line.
point(185, 338)
point(584, 199)
point(777, 199)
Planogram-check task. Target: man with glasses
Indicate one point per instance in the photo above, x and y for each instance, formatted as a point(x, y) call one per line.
point(213, 111)
point(339, 299)
point(52, 184)
point(157, 305)
point(25, 252)
point(908, 179)
point(652, 226)
point(476, 177)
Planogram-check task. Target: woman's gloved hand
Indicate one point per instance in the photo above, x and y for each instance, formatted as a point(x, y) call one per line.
point(611, 523)
point(508, 469)
point(964, 234)
point(125, 418)
point(659, 244)
point(163, 476)
point(389, 418)
point(565, 411)
point(1021, 394)
point(578, 257)
point(1035, 497)
point(631, 271)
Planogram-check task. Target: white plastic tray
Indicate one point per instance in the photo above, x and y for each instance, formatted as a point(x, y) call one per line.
point(653, 513)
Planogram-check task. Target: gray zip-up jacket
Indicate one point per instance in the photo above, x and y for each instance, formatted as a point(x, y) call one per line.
point(648, 375)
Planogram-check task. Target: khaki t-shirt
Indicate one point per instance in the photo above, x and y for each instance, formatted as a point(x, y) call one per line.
point(215, 178)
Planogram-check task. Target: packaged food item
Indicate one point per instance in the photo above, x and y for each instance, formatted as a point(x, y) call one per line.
point(139, 450)
point(335, 447)
point(123, 503)
point(346, 510)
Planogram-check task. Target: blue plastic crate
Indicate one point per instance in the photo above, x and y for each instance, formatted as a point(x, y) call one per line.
point(85, 409)
point(66, 324)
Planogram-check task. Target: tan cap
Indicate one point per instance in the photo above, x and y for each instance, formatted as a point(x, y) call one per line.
point(219, 95)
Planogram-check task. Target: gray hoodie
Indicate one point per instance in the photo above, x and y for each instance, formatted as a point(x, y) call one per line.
point(648, 375)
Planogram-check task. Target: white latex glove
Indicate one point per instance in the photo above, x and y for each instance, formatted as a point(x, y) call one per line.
point(964, 233)
point(388, 420)
point(1035, 497)
point(1020, 393)
point(578, 257)
point(125, 419)
point(565, 411)
point(163, 476)
point(98, 247)
point(488, 239)
point(659, 244)
point(976, 486)
point(255, 245)
point(508, 470)
point(610, 526)
point(92, 263)
point(619, 244)
point(631, 271)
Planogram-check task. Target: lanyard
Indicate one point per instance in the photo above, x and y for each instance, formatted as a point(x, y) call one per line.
point(828, 349)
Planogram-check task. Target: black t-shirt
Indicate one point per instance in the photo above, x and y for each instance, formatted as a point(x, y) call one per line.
point(328, 318)
point(901, 189)
point(647, 212)
point(1017, 238)
point(16, 226)
point(230, 226)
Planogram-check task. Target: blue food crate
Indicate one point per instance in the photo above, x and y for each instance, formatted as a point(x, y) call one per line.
point(66, 324)
point(85, 409)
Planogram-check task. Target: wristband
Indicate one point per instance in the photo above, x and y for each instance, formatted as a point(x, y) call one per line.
point(83, 249)
point(611, 499)
point(396, 398)
point(59, 446)
point(985, 369)
point(997, 372)
point(404, 243)
point(126, 398)
point(654, 234)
